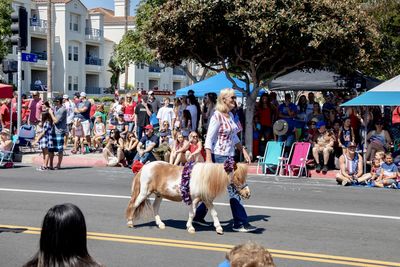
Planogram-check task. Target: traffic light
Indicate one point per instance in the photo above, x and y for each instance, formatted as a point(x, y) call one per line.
point(10, 66)
point(19, 28)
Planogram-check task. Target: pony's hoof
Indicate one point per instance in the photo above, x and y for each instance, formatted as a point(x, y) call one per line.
point(219, 231)
point(161, 226)
point(130, 224)
point(191, 230)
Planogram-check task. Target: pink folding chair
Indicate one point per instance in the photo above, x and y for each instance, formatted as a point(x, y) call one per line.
point(295, 164)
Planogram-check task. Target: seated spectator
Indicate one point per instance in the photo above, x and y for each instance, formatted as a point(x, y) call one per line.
point(346, 134)
point(63, 239)
point(99, 133)
point(389, 173)
point(163, 151)
point(316, 113)
point(351, 166)
point(147, 143)
point(113, 151)
point(77, 135)
point(249, 254)
point(121, 125)
point(130, 145)
point(100, 112)
point(378, 139)
point(195, 151)
point(322, 145)
point(165, 128)
point(373, 174)
point(5, 142)
point(178, 150)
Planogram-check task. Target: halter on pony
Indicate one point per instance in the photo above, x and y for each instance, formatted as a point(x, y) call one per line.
point(230, 166)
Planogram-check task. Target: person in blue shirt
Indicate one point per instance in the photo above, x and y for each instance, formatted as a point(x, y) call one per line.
point(389, 173)
point(288, 111)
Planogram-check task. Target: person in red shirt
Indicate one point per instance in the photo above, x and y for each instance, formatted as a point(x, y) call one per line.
point(264, 112)
point(129, 111)
point(5, 114)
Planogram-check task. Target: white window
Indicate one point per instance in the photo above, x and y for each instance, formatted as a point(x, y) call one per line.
point(74, 20)
point(69, 52)
point(137, 85)
point(69, 83)
point(141, 86)
point(76, 83)
point(76, 53)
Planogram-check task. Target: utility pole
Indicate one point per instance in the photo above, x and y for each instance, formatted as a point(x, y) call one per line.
point(127, 5)
point(49, 50)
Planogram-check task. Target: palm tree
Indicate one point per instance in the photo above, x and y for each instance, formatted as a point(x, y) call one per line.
point(49, 50)
point(127, 2)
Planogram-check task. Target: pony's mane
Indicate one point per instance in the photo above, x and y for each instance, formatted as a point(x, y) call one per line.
point(214, 179)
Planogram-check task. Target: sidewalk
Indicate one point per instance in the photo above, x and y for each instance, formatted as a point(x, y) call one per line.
point(97, 160)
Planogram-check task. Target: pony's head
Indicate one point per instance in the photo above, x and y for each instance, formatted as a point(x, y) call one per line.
point(238, 180)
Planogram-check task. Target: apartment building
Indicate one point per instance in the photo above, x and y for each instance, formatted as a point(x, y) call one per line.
point(83, 44)
point(78, 48)
point(140, 76)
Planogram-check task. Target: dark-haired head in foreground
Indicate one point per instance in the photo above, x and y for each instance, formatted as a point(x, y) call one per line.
point(63, 239)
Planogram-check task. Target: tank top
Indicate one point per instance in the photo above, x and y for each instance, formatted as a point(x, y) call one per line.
point(351, 164)
point(98, 128)
point(346, 137)
point(193, 148)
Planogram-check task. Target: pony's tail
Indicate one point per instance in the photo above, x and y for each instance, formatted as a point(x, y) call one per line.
point(145, 206)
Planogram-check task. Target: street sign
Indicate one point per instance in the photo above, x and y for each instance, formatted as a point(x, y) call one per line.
point(29, 57)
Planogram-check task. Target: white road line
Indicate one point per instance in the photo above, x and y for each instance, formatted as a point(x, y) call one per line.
point(290, 183)
point(215, 203)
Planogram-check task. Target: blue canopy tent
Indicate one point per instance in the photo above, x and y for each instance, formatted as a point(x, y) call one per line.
point(385, 94)
point(213, 84)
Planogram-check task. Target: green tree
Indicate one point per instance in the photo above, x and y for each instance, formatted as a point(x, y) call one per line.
point(259, 40)
point(5, 27)
point(387, 15)
point(116, 70)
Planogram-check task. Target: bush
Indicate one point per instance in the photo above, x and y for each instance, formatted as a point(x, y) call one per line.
point(106, 99)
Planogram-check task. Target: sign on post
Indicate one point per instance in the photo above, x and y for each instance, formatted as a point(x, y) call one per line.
point(29, 57)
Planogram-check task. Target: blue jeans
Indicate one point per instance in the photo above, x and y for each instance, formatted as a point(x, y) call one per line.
point(131, 124)
point(146, 157)
point(139, 132)
point(238, 212)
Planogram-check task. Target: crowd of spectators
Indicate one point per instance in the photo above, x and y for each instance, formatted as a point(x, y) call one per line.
point(143, 128)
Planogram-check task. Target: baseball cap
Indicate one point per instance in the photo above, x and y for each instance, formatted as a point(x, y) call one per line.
point(149, 126)
point(83, 94)
point(352, 144)
point(150, 93)
point(65, 96)
point(320, 124)
point(58, 99)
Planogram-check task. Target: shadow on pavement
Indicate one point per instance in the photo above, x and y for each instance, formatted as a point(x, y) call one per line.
point(12, 230)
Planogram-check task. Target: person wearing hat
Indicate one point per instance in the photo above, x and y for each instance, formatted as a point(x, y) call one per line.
point(143, 112)
point(5, 142)
point(147, 143)
point(59, 117)
point(121, 125)
point(83, 113)
point(153, 101)
point(351, 166)
point(322, 146)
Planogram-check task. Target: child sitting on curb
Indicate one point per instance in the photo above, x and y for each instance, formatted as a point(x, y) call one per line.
point(389, 173)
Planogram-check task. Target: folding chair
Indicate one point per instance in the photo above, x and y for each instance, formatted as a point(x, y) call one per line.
point(295, 164)
point(6, 157)
point(270, 162)
point(27, 135)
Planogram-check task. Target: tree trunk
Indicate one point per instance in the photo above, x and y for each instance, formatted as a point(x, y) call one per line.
point(126, 30)
point(249, 115)
point(49, 50)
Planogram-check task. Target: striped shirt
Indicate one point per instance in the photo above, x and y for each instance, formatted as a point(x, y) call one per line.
point(222, 135)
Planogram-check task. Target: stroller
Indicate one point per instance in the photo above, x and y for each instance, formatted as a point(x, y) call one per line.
point(27, 135)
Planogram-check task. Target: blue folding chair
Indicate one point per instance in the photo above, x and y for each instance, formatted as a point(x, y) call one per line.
point(6, 157)
point(271, 160)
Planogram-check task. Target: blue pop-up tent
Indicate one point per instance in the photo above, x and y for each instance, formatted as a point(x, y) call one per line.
point(385, 94)
point(213, 84)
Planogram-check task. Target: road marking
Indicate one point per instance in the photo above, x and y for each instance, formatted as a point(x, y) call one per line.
point(284, 254)
point(376, 216)
point(289, 183)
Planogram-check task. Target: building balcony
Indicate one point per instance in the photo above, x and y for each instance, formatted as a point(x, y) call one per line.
point(93, 34)
point(38, 87)
point(38, 26)
point(93, 90)
point(154, 68)
point(94, 61)
point(178, 71)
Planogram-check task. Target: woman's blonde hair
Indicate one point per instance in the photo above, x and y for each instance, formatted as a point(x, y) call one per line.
point(221, 106)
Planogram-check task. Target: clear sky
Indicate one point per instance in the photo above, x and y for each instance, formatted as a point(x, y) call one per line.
point(107, 4)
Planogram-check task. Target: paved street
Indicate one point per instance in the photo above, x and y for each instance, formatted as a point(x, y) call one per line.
point(304, 222)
